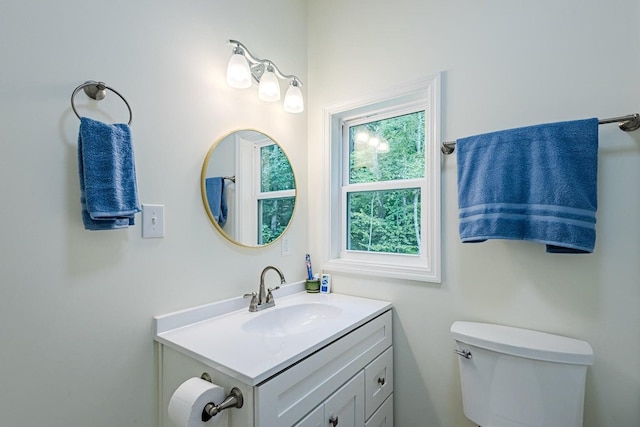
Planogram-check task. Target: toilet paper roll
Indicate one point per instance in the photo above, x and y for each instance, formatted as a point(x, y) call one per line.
point(190, 398)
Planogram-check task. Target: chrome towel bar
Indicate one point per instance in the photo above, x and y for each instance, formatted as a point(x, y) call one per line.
point(627, 123)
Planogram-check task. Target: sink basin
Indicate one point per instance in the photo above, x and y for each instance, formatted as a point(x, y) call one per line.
point(291, 319)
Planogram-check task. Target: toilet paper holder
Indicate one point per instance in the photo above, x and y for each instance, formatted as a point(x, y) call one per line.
point(233, 400)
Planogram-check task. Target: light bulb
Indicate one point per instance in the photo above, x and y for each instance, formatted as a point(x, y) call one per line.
point(362, 137)
point(293, 101)
point(238, 72)
point(383, 147)
point(269, 88)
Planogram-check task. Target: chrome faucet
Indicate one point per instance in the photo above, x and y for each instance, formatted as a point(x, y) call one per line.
point(264, 298)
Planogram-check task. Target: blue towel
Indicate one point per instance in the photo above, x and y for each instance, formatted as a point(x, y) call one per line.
point(108, 191)
point(534, 183)
point(217, 199)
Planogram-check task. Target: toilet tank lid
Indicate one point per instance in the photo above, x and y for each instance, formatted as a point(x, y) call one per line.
point(523, 342)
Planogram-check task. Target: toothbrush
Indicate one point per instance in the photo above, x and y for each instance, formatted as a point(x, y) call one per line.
point(307, 258)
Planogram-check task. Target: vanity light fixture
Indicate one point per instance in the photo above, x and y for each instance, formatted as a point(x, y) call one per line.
point(244, 68)
point(375, 142)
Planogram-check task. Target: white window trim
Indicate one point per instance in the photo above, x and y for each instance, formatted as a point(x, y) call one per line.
point(427, 92)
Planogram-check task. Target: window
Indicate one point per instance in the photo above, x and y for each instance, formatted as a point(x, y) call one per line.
point(385, 162)
point(384, 213)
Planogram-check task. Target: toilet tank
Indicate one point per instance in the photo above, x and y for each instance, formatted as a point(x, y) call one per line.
point(518, 377)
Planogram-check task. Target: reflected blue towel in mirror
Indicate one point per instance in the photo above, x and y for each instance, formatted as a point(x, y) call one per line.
point(534, 183)
point(217, 199)
point(108, 189)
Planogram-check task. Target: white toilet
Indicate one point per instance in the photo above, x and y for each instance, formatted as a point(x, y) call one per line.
point(515, 377)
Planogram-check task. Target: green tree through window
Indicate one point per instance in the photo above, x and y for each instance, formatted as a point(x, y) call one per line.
point(389, 151)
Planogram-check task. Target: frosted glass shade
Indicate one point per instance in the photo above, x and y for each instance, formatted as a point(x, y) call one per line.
point(293, 101)
point(238, 72)
point(269, 88)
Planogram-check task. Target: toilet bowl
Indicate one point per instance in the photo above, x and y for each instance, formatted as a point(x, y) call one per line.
point(514, 377)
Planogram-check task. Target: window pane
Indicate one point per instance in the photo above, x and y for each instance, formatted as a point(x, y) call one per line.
point(275, 170)
point(384, 221)
point(388, 149)
point(274, 216)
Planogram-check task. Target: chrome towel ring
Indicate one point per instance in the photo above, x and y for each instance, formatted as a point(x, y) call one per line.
point(97, 90)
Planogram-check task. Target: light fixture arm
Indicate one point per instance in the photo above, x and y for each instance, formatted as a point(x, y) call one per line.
point(259, 66)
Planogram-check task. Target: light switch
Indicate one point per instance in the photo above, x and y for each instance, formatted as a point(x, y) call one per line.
point(152, 221)
point(285, 249)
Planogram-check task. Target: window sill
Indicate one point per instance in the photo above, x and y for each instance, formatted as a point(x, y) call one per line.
point(420, 274)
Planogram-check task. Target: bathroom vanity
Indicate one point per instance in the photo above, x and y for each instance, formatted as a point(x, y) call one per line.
point(312, 360)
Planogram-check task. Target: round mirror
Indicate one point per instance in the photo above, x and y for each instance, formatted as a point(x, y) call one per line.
point(248, 188)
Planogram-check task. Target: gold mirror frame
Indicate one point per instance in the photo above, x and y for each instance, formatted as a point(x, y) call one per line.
point(205, 201)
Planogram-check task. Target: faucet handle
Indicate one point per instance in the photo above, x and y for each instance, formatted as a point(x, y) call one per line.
point(270, 294)
point(253, 305)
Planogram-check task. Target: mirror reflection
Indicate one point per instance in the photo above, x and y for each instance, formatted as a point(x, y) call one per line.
point(248, 188)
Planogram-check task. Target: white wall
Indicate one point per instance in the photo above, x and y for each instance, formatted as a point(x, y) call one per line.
point(505, 64)
point(76, 306)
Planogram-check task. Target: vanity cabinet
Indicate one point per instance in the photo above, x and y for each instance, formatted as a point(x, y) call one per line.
point(349, 380)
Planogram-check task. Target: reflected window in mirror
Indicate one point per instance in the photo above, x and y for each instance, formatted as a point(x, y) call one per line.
point(276, 199)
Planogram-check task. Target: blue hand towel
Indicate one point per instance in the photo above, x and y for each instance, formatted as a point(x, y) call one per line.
point(217, 199)
point(108, 190)
point(534, 183)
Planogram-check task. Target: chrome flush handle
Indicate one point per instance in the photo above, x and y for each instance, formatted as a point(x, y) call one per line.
point(464, 353)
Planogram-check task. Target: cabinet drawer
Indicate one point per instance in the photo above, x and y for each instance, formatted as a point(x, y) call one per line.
point(287, 397)
point(378, 381)
point(383, 417)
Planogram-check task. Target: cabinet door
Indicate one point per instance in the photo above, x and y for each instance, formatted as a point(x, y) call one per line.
point(383, 417)
point(345, 408)
point(314, 419)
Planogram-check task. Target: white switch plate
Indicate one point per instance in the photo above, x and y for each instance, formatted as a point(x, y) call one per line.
point(286, 251)
point(152, 221)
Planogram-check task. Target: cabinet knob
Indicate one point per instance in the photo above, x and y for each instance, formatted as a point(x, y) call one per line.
point(333, 421)
point(381, 381)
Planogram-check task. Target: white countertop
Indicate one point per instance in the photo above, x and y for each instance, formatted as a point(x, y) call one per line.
point(214, 334)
